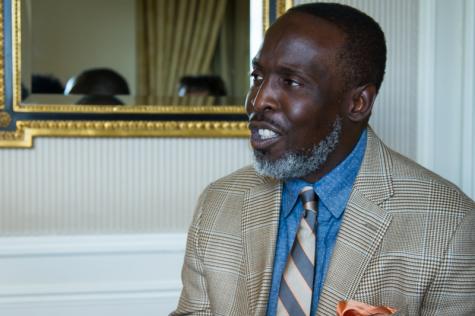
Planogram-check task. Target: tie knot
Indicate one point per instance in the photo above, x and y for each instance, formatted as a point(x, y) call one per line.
point(309, 199)
point(307, 194)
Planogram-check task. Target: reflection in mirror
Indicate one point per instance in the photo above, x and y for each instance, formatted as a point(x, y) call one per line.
point(153, 44)
point(98, 85)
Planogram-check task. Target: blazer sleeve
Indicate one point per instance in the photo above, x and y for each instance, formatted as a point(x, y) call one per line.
point(453, 290)
point(194, 296)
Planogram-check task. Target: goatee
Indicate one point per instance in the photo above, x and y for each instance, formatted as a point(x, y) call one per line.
point(299, 164)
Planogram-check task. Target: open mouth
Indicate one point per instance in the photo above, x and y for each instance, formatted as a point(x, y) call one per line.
point(264, 133)
point(262, 138)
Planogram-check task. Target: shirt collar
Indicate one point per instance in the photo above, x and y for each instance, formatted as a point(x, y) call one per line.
point(334, 188)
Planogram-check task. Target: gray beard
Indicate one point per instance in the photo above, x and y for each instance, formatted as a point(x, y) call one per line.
point(299, 164)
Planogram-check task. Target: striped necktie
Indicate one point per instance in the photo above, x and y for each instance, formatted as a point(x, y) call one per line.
point(296, 287)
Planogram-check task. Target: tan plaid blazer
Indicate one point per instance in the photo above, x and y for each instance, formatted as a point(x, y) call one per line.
point(407, 240)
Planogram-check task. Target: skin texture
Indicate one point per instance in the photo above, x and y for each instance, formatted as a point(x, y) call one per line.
point(298, 92)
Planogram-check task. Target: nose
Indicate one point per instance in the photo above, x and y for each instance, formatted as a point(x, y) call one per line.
point(262, 98)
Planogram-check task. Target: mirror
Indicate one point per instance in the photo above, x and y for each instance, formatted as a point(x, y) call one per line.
point(67, 39)
point(163, 52)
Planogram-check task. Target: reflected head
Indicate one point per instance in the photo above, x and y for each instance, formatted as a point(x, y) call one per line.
point(46, 84)
point(203, 85)
point(98, 81)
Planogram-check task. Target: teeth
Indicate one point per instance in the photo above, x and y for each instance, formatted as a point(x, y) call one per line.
point(266, 133)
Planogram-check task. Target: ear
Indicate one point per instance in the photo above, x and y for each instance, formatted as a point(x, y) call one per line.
point(362, 99)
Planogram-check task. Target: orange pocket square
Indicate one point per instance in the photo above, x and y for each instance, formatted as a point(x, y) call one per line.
point(355, 308)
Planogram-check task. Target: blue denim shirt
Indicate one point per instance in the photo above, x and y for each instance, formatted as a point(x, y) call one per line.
point(333, 191)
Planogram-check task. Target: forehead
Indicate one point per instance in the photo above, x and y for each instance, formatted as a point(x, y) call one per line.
point(301, 37)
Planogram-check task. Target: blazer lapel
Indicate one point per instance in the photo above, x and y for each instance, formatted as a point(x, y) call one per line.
point(259, 231)
point(363, 227)
point(360, 234)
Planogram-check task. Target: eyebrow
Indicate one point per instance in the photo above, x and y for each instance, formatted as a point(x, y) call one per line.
point(282, 69)
point(290, 69)
point(293, 70)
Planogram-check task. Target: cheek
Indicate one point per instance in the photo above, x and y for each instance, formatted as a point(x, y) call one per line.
point(309, 123)
point(302, 113)
point(313, 109)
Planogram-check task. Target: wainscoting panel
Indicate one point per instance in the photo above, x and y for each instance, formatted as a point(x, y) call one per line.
point(124, 275)
point(108, 186)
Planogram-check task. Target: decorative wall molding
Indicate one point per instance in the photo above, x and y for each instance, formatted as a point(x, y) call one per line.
point(446, 83)
point(26, 131)
point(468, 101)
point(426, 83)
point(90, 274)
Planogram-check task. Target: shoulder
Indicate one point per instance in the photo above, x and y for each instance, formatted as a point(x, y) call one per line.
point(222, 207)
point(417, 198)
point(429, 214)
point(426, 205)
point(409, 184)
point(239, 181)
point(230, 190)
point(411, 179)
point(226, 197)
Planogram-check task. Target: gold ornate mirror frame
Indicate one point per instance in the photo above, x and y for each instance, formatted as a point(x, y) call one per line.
point(19, 124)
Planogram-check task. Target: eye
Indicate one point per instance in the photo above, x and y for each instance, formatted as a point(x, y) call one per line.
point(292, 83)
point(256, 78)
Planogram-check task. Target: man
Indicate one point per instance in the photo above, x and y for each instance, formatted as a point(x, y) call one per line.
point(387, 232)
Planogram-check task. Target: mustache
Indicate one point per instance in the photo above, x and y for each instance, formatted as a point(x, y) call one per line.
point(261, 117)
